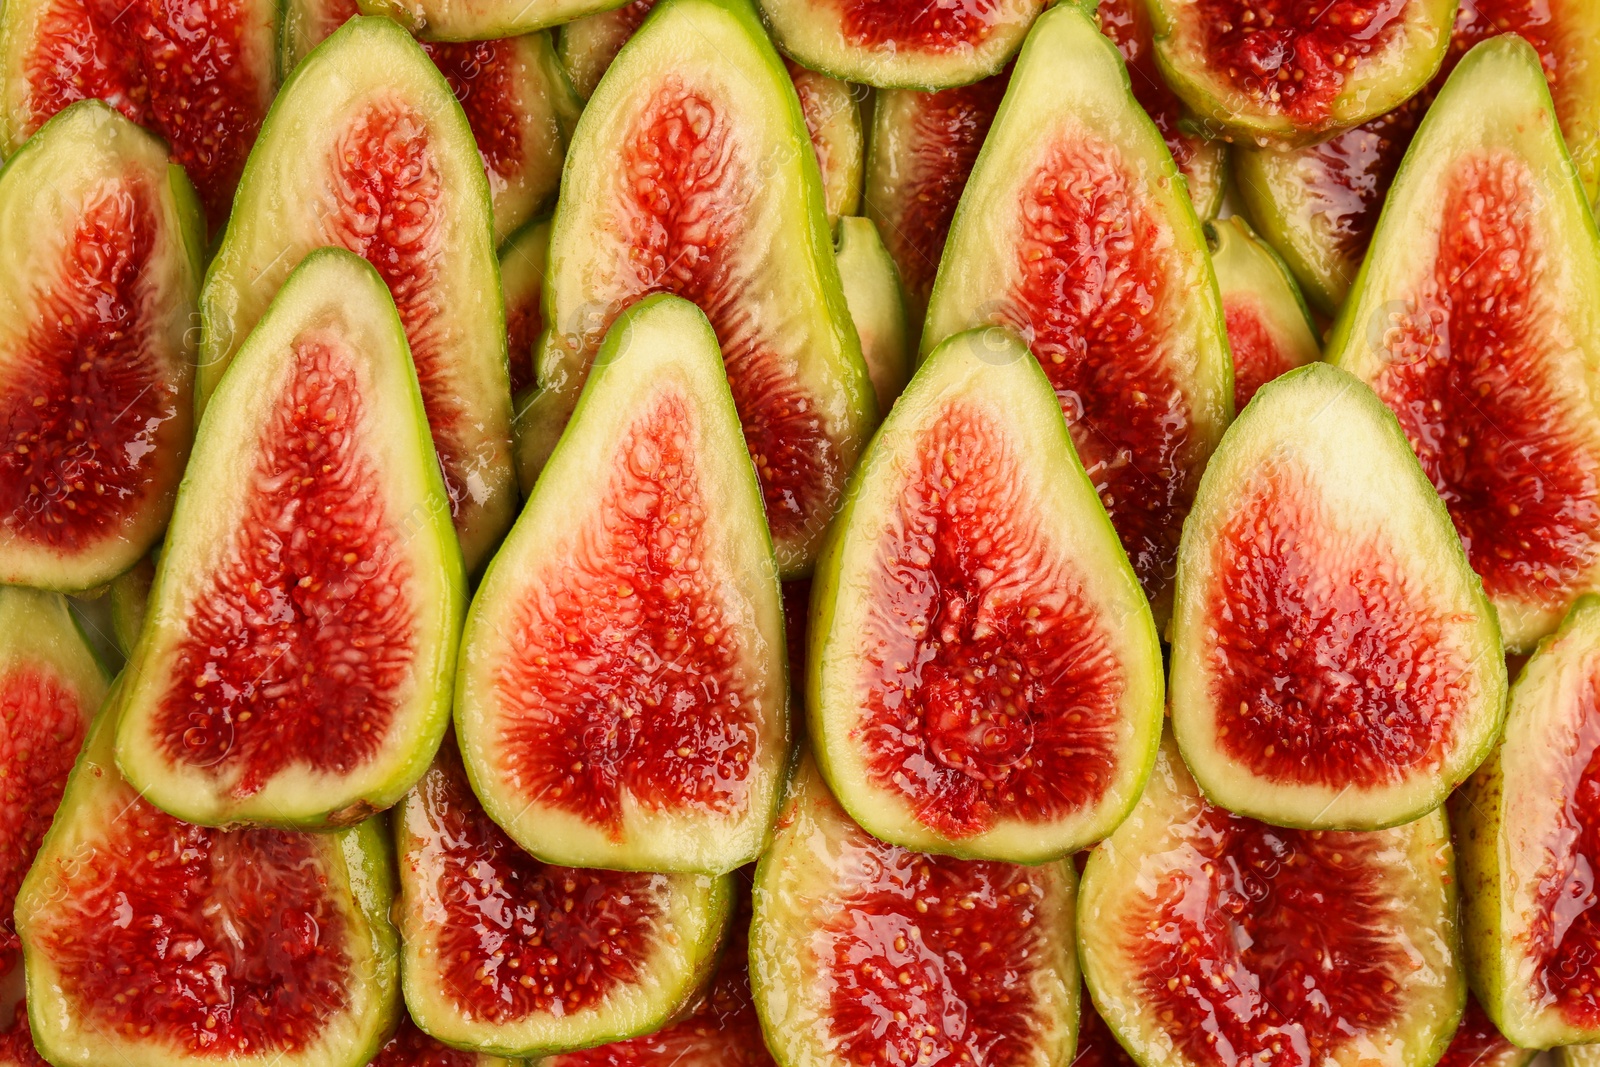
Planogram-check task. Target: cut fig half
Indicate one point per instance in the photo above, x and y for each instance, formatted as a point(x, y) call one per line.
point(366, 148)
point(877, 306)
point(298, 657)
point(100, 245)
point(689, 173)
point(1476, 318)
point(410, 1047)
point(507, 955)
point(1335, 664)
point(1212, 940)
point(1074, 172)
point(984, 674)
point(156, 943)
point(1270, 331)
point(864, 952)
point(622, 700)
point(833, 120)
point(588, 45)
point(1477, 1042)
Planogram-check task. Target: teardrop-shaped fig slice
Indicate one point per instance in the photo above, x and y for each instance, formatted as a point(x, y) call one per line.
point(1270, 331)
point(588, 45)
point(366, 148)
point(622, 700)
point(297, 661)
point(1212, 940)
point(99, 268)
point(507, 955)
point(1074, 172)
point(1478, 1043)
point(877, 306)
point(985, 676)
point(1335, 664)
point(833, 119)
point(688, 173)
point(156, 943)
point(410, 1047)
point(867, 953)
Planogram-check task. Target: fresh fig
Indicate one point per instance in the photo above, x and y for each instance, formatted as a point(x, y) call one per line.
point(1212, 940)
point(863, 952)
point(1270, 331)
point(481, 20)
point(99, 272)
point(366, 148)
point(410, 1047)
point(1476, 318)
point(129, 595)
point(524, 259)
point(1097, 1046)
point(985, 676)
point(1289, 72)
point(877, 306)
point(149, 941)
point(1335, 664)
point(689, 173)
point(834, 122)
point(1478, 1044)
point(1073, 172)
point(588, 45)
point(622, 700)
point(297, 661)
point(507, 955)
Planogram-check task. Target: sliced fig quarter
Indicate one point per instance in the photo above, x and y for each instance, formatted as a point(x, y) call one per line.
point(877, 306)
point(156, 943)
point(1477, 1043)
point(689, 174)
point(366, 148)
point(622, 700)
point(1476, 318)
point(1270, 331)
point(588, 45)
point(1074, 172)
point(297, 660)
point(867, 953)
point(1335, 664)
point(100, 245)
point(1213, 940)
point(507, 955)
point(984, 674)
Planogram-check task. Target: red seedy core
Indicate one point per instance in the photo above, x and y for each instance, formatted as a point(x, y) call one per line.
point(186, 69)
point(1328, 663)
point(990, 690)
point(1229, 963)
point(298, 646)
point(1478, 1044)
point(483, 77)
point(226, 943)
point(625, 670)
point(936, 28)
point(1469, 379)
point(1293, 56)
point(1257, 357)
point(1096, 1046)
point(1096, 299)
point(86, 406)
point(16, 1042)
point(516, 937)
point(411, 1047)
point(1479, 20)
point(1128, 26)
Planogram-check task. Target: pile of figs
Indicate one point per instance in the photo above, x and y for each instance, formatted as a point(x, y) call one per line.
point(799, 533)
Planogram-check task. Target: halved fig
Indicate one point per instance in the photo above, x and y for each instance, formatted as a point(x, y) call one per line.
point(588, 45)
point(622, 700)
point(366, 148)
point(129, 596)
point(877, 306)
point(152, 941)
point(507, 955)
point(864, 952)
point(297, 661)
point(834, 122)
point(524, 261)
point(1477, 320)
point(688, 174)
point(1211, 940)
point(1270, 331)
point(1292, 72)
point(100, 245)
point(200, 75)
point(1073, 172)
point(1477, 1043)
point(1335, 664)
point(984, 674)
point(410, 1047)
point(481, 20)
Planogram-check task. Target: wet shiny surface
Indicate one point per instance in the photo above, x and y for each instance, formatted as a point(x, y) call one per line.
point(938, 26)
point(1257, 356)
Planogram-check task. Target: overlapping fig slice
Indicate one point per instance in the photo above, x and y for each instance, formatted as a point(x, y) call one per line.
point(1477, 320)
point(1292, 71)
point(984, 674)
point(366, 148)
point(1270, 331)
point(1335, 664)
point(867, 953)
point(296, 664)
point(834, 122)
point(410, 1047)
point(877, 306)
point(507, 955)
point(1074, 230)
point(1212, 940)
point(622, 700)
point(588, 45)
point(153, 941)
point(687, 174)
point(99, 268)
point(1477, 1043)
point(127, 599)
